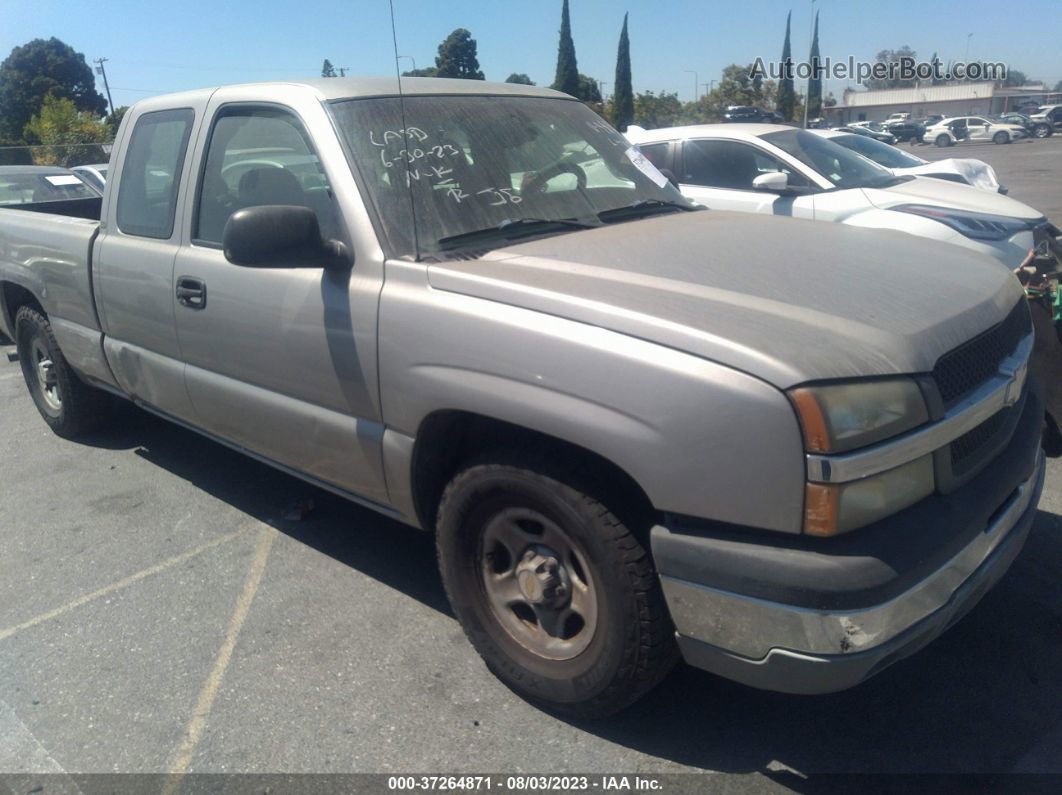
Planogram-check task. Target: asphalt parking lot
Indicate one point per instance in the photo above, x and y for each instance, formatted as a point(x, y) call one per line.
point(158, 613)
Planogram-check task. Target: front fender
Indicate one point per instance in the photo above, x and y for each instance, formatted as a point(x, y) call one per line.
point(699, 438)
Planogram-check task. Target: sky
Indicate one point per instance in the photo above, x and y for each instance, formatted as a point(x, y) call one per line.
point(154, 47)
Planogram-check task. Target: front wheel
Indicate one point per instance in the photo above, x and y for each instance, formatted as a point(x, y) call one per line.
point(943, 140)
point(69, 405)
point(1042, 131)
point(553, 590)
point(1000, 138)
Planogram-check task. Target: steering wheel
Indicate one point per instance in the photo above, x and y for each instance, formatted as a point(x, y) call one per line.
point(537, 183)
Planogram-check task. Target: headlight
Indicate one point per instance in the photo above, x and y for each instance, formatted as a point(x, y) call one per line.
point(978, 226)
point(834, 508)
point(836, 418)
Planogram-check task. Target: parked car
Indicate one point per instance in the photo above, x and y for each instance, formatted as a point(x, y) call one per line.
point(95, 175)
point(1049, 114)
point(807, 449)
point(1034, 129)
point(899, 116)
point(963, 170)
point(747, 113)
point(878, 135)
point(34, 185)
point(906, 130)
point(762, 169)
point(972, 129)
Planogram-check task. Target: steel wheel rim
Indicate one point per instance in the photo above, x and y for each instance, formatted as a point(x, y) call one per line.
point(537, 584)
point(47, 377)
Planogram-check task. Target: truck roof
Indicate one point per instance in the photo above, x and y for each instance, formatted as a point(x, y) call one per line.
point(333, 88)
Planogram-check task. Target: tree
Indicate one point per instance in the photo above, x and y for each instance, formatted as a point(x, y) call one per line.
point(891, 56)
point(327, 70)
point(114, 119)
point(60, 132)
point(428, 71)
point(1016, 78)
point(623, 96)
point(786, 95)
point(815, 82)
point(39, 68)
point(653, 110)
point(519, 77)
point(1058, 86)
point(567, 77)
point(589, 90)
point(457, 57)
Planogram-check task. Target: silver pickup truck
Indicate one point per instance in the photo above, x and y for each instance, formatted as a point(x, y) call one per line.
point(792, 453)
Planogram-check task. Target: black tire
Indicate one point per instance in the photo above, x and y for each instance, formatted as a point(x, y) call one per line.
point(631, 648)
point(942, 141)
point(1042, 131)
point(71, 407)
point(1001, 138)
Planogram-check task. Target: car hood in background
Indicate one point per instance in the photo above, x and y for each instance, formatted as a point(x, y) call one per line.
point(977, 172)
point(942, 193)
point(784, 299)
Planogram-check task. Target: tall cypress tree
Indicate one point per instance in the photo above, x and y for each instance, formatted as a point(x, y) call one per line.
point(786, 95)
point(567, 79)
point(815, 83)
point(623, 98)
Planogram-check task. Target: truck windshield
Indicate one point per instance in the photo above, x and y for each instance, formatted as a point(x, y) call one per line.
point(511, 165)
point(843, 167)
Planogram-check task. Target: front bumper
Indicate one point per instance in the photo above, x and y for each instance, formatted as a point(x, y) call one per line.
point(802, 617)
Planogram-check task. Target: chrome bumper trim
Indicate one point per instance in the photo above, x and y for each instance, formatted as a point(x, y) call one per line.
point(753, 627)
point(1002, 390)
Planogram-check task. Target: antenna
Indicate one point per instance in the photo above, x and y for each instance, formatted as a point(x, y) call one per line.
point(405, 136)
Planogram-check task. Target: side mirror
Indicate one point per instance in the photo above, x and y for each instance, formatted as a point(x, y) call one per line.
point(771, 181)
point(280, 236)
point(667, 172)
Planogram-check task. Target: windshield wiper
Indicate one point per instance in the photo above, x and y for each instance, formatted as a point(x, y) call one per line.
point(643, 207)
point(515, 227)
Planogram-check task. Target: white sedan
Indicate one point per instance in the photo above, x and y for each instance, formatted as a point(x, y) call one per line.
point(764, 168)
point(972, 129)
point(964, 170)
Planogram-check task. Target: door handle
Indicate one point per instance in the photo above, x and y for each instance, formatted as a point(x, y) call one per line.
point(191, 292)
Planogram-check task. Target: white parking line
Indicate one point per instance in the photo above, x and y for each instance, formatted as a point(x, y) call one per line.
point(169, 563)
point(209, 692)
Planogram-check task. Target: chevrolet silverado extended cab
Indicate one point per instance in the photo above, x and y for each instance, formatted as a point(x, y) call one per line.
point(637, 428)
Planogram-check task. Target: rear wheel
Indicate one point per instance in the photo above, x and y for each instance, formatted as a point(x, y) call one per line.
point(1000, 138)
point(943, 140)
point(556, 594)
point(69, 405)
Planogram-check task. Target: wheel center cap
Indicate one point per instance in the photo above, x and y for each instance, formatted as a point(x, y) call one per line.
point(542, 579)
point(529, 586)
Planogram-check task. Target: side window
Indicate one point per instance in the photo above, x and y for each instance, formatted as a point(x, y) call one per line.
point(729, 164)
point(657, 154)
point(147, 193)
point(259, 156)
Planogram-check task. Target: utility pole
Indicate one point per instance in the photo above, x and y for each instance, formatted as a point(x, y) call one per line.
point(411, 59)
point(101, 71)
point(696, 82)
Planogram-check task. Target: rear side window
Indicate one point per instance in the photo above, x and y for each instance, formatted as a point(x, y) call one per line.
point(147, 194)
point(657, 154)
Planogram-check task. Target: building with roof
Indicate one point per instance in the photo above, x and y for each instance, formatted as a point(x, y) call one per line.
point(955, 99)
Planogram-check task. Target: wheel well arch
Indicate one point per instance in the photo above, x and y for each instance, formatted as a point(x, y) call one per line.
point(447, 440)
point(12, 298)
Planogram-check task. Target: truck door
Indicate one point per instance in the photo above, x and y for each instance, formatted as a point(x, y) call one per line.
point(281, 361)
point(134, 260)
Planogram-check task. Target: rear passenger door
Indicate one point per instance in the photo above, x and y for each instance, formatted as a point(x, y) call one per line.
point(281, 361)
point(133, 262)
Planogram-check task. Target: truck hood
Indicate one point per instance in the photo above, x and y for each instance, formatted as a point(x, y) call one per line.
point(784, 299)
point(942, 193)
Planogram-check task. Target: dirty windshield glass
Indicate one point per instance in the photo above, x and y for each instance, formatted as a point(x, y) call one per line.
point(481, 163)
